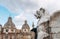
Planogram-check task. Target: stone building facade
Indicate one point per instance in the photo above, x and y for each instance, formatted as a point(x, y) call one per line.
point(9, 31)
point(55, 25)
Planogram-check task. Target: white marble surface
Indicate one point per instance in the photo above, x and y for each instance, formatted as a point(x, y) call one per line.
point(40, 29)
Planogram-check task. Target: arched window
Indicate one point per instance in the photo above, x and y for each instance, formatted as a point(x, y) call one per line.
point(6, 30)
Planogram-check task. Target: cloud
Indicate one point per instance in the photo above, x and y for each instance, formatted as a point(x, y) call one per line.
point(53, 5)
point(18, 5)
point(20, 17)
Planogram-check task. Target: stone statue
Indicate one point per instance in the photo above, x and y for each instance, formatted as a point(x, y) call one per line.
point(42, 17)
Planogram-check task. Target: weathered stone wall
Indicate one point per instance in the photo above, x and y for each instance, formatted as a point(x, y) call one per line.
point(55, 25)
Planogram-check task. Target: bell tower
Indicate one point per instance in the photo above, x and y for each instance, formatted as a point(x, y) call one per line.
point(33, 25)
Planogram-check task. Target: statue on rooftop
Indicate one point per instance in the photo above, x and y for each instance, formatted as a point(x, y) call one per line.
point(42, 17)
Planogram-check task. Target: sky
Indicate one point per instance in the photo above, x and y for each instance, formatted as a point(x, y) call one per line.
point(21, 10)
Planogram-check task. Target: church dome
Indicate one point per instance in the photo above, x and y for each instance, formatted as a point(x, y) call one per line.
point(25, 25)
point(9, 23)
